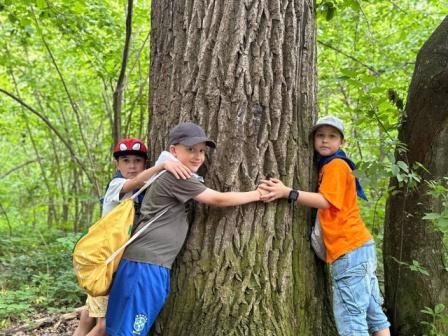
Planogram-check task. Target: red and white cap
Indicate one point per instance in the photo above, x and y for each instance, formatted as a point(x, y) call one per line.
point(132, 146)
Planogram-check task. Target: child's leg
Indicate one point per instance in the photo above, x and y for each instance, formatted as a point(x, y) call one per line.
point(138, 293)
point(86, 323)
point(352, 290)
point(100, 328)
point(384, 332)
point(97, 309)
point(376, 319)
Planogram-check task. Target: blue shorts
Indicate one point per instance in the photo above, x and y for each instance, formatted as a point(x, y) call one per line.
point(138, 293)
point(356, 295)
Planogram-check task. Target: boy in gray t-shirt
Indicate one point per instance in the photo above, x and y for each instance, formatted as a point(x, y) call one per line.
point(129, 157)
point(141, 283)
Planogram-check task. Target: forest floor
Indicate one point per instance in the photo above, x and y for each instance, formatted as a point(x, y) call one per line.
point(46, 325)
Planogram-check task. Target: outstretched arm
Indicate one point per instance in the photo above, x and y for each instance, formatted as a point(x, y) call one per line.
point(223, 199)
point(275, 189)
point(179, 170)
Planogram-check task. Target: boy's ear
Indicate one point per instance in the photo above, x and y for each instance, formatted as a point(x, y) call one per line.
point(116, 163)
point(172, 149)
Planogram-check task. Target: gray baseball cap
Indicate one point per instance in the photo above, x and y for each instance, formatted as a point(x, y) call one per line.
point(329, 121)
point(189, 134)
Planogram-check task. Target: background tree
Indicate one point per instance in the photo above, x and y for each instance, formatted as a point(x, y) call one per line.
point(414, 251)
point(245, 71)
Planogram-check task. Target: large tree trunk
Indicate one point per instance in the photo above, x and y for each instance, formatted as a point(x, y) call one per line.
point(407, 236)
point(245, 71)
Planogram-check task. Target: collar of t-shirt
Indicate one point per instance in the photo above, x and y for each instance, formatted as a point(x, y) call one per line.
point(340, 154)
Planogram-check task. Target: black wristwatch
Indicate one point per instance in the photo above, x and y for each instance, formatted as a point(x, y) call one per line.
point(293, 195)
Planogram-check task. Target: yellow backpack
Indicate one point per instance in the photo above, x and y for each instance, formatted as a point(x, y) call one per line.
point(97, 254)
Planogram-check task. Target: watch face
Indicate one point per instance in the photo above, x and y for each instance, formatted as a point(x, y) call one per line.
point(293, 195)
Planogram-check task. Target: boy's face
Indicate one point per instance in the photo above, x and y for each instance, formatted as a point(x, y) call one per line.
point(193, 157)
point(327, 140)
point(130, 165)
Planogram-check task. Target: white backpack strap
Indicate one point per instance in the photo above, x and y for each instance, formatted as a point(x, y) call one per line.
point(134, 237)
point(147, 184)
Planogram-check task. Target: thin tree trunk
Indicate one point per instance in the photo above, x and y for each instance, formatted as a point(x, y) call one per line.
point(407, 236)
point(245, 71)
point(51, 208)
point(74, 106)
point(118, 93)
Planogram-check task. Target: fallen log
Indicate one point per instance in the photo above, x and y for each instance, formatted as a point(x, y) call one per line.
point(43, 321)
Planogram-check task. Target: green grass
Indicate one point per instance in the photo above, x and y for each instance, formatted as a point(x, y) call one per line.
point(36, 274)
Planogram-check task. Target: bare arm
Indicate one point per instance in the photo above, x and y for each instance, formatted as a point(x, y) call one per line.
point(224, 199)
point(276, 189)
point(179, 170)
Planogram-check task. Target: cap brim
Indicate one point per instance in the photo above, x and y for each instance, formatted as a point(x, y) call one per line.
point(315, 127)
point(130, 152)
point(196, 140)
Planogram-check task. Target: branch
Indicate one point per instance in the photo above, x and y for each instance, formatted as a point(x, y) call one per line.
point(54, 129)
point(72, 103)
point(7, 219)
point(24, 164)
point(376, 72)
point(44, 321)
point(120, 83)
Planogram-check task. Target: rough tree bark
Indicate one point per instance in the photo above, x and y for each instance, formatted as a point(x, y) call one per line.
point(407, 237)
point(245, 71)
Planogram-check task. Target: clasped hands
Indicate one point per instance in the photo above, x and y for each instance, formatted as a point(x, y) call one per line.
point(272, 189)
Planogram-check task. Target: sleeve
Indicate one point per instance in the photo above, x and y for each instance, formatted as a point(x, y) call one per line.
point(114, 189)
point(333, 184)
point(184, 190)
point(112, 196)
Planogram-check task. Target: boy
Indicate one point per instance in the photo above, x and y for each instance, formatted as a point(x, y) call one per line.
point(133, 307)
point(349, 245)
point(130, 157)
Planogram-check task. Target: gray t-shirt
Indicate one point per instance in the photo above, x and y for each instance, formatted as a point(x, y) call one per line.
point(161, 242)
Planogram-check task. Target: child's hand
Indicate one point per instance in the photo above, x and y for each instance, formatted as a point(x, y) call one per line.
point(273, 189)
point(261, 192)
point(179, 170)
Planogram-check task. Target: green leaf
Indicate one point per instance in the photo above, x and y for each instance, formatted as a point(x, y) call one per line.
point(41, 4)
point(395, 170)
point(439, 308)
point(368, 79)
point(427, 311)
point(349, 72)
point(431, 216)
point(403, 165)
point(354, 5)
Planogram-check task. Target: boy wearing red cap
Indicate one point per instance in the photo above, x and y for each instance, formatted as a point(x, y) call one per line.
point(130, 156)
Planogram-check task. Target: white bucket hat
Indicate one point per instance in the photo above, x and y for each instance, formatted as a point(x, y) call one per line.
point(330, 121)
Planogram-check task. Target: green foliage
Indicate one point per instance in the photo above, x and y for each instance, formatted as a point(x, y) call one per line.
point(438, 320)
point(36, 273)
point(62, 58)
point(415, 266)
point(366, 55)
point(439, 191)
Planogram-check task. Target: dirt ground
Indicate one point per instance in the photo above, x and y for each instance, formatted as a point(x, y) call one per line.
point(49, 325)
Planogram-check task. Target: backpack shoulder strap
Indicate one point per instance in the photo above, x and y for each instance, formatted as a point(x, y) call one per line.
point(138, 233)
point(147, 184)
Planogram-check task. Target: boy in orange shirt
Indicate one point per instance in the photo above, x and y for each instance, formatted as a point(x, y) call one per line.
point(349, 245)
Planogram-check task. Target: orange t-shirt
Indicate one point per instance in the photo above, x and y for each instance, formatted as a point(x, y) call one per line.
point(342, 226)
